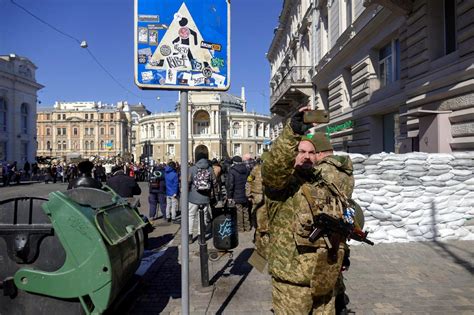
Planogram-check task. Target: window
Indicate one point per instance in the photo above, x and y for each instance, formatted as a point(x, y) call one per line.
point(74, 131)
point(102, 147)
point(91, 130)
point(92, 116)
point(171, 149)
point(259, 132)
point(236, 129)
point(24, 118)
point(92, 145)
point(48, 145)
point(237, 149)
point(101, 116)
point(324, 31)
point(250, 130)
point(59, 116)
point(112, 116)
point(64, 131)
point(24, 151)
point(171, 130)
point(389, 133)
point(112, 131)
point(389, 63)
point(58, 131)
point(48, 117)
point(3, 150)
point(48, 131)
point(449, 26)
point(259, 148)
point(102, 131)
point(59, 145)
point(64, 116)
point(64, 145)
point(348, 13)
point(87, 116)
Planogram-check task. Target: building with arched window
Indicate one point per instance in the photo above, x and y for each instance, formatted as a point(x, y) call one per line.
point(218, 125)
point(18, 97)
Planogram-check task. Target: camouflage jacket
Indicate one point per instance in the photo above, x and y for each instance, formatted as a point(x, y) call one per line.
point(291, 257)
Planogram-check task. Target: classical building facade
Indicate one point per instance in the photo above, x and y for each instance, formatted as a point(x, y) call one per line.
point(218, 125)
point(85, 129)
point(396, 76)
point(18, 97)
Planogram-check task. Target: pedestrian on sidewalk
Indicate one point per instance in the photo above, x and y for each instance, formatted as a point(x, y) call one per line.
point(157, 192)
point(172, 191)
point(85, 177)
point(201, 181)
point(235, 187)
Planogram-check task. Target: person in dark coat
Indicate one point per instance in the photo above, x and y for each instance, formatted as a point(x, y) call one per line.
point(157, 192)
point(85, 178)
point(235, 187)
point(125, 186)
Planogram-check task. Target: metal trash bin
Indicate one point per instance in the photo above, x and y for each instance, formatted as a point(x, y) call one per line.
point(224, 229)
point(73, 255)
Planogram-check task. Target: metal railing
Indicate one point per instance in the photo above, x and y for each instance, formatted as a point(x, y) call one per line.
point(296, 75)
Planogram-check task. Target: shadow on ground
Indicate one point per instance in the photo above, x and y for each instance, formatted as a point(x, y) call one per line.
point(153, 296)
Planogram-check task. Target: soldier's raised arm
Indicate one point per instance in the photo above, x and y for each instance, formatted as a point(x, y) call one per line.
point(279, 164)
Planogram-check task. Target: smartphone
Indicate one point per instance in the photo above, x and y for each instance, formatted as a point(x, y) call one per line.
point(316, 116)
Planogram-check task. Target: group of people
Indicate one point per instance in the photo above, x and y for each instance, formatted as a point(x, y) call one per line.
point(12, 173)
point(211, 184)
point(281, 195)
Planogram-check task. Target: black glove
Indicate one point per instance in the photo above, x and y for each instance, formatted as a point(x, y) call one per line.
point(297, 124)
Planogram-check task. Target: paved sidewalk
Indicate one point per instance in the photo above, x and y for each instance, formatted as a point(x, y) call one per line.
point(409, 278)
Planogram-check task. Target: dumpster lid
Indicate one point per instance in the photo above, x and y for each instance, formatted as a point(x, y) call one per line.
point(91, 197)
point(118, 223)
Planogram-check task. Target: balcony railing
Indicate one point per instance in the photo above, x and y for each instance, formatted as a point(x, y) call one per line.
point(297, 75)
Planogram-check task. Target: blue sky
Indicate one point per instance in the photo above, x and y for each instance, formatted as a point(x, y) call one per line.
point(69, 73)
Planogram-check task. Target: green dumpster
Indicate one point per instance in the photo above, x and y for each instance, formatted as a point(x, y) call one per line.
point(102, 241)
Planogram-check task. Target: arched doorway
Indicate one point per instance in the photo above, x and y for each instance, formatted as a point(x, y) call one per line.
point(201, 123)
point(200, 152)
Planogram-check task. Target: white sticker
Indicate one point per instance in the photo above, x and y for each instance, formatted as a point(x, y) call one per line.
point(147, 76)
point(142, 35)
point(219, 79)
point(197, 79)
point(145, 51)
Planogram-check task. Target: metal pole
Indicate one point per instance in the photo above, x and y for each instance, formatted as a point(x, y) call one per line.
point(184, 204)
point(203, 255)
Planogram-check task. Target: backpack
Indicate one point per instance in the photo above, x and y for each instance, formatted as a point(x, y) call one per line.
point(202, 179)
point(155, 179)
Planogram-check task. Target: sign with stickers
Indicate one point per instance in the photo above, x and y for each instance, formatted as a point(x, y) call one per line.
point(182, 44)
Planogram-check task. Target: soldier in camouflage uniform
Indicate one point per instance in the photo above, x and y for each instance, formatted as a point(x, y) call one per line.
point(259, 211)
point(296, 175)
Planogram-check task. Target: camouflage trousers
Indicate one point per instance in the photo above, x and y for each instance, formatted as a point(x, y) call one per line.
point(293, 299)
point(243, 217)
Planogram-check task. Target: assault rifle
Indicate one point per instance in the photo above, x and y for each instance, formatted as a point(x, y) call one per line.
point(325, 224)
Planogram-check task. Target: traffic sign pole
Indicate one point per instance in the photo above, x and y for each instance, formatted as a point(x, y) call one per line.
point(184, 204)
